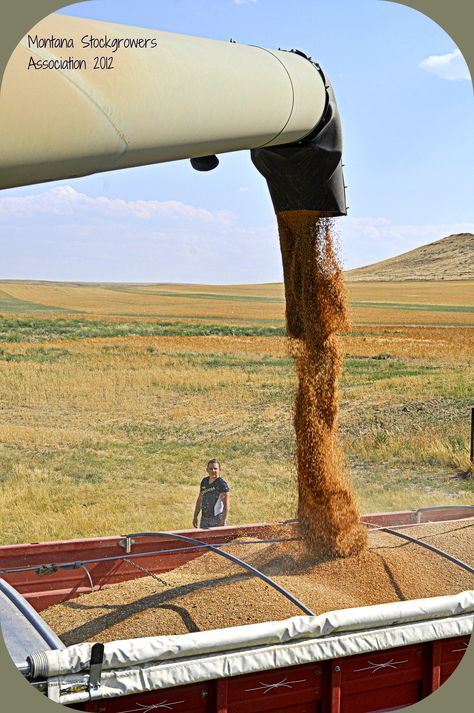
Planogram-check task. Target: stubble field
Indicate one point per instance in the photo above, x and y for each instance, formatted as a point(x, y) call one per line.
point(114, 397)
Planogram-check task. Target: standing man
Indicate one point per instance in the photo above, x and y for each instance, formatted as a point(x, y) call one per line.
point(213, 498)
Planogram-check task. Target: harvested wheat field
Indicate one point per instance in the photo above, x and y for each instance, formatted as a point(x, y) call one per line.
point(211, 592)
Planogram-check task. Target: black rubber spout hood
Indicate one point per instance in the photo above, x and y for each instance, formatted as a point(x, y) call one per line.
point(307, 174)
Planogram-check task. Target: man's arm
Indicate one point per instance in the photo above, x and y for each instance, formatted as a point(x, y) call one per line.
point(197, 510)
point(225, 497)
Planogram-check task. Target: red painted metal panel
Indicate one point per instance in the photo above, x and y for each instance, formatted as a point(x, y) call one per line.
point(452, 651)
point(382, 669)
point(297, 708)
point(183, 699)
point(442, 514)
point(409, 517)
point(431, 667)
point(387, 519)
point(276, 690)
point(382, 699)
point(332, 687)
point(222, 686)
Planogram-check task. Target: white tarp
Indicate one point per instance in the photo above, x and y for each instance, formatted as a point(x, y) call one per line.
point(144, 664)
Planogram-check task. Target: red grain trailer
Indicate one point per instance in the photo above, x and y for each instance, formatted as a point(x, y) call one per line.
point(374, 658)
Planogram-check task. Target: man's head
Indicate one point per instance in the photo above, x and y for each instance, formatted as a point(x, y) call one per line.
point(213, 468)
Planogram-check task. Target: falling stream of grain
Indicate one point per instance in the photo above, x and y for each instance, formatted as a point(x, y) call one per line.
point(315, 311)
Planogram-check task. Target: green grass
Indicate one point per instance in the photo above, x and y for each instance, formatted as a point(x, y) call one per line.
point(219, 297)
point(207, 320)
point(39, 329)
point(240, 362)
point(37, 354)
point(366, 371)
point(13, 305)
point(411, 323)
point(421, 307)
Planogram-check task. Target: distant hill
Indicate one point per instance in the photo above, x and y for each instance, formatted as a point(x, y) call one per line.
point(451, 258)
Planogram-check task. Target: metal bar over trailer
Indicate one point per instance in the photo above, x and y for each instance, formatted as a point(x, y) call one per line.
point(363, 659)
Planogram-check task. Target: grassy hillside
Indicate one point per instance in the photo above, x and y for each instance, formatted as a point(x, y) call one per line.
point(451, 258)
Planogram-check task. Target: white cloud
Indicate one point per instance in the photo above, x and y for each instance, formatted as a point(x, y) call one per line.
point(63, 234)
point(243, 2)
point(450, 66)
point(65, 200)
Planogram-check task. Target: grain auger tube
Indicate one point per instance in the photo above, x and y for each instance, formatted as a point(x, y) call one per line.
point(165, 97)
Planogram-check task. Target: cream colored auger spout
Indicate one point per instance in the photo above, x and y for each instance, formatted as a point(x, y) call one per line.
point(186, 97)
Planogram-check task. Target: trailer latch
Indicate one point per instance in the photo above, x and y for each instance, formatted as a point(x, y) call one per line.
point(52, 568)
point(127, 543)
point(96, 663)
point(46, 569)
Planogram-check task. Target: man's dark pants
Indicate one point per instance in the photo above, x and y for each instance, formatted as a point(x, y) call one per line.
point(207, 522)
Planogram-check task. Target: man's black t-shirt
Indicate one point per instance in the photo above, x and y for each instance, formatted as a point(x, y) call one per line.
point(210, 491)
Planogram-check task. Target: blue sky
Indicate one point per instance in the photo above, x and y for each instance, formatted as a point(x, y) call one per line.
point(405, 99)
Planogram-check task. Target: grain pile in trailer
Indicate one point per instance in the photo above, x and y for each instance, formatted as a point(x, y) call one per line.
point(209, 593)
